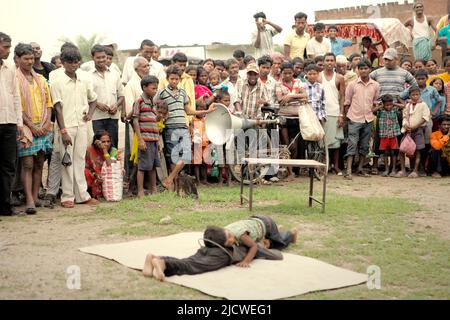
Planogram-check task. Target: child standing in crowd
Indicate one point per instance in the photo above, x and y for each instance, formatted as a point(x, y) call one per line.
point(439, 163)
point(176, 134)
point(192, 72)
point(214, 80)
point(415, 116)
point(438, 83)
point(223, 97)
point(315, 92)
point(389, 131)
point(145, 125)
point(431, 97)
point(200, 145)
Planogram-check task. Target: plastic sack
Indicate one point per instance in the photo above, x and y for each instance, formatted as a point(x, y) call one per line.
point(310, 127)
point(408, 146)
point(112, 185)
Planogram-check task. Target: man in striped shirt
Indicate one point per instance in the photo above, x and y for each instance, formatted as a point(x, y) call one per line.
point(391, 77)
point(251, 94)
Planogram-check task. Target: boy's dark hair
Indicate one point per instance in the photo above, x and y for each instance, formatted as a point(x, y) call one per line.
point(23, 49)
point(311, 67)
point(221, 94)
point(421, 73)
point(446, 61)
point(147, 80)
point(259, 15)
point(367, 38)
point(300, 15)
point(179, 57)
point(353, 56)
point(413, 89)
point(420, 60)
point(173, 69)
point(297, 60)
point(190, 68)
point(200, 70)
point(248, 58)
point(387, 98)
point(318, 59)
point(329, 54)
point(215, 234)
point(435, 62)
point(220, 63)
point(406, 60)
point(238, 54)
point(265, 60)
point(146, 42)
point(70, 55)
point(333, 27)
point(209, 59)
point(109, 51)
point(286, 65)
point(97, 48)
point(230, 62)
point(68, 45)
point(307, 62)
point(4, 37)
point(443, 117)
point(364, 63)
point(319, 26)
point(53, 61)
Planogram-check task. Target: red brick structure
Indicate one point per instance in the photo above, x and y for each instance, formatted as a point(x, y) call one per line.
point(401, 11)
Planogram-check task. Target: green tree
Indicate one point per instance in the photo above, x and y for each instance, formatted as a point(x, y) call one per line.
point(85, 44)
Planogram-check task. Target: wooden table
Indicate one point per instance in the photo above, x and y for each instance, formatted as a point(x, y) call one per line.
point(310, 164)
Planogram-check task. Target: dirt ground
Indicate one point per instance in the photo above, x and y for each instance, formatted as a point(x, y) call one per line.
point(35, 251)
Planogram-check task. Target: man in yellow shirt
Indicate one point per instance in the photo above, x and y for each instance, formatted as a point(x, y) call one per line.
point(295, 43)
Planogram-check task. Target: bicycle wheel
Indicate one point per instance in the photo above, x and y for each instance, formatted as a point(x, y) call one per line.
point(250, 149)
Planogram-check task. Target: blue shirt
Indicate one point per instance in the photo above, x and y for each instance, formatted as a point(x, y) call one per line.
point(339, 44)
point(429, 95)
point(445, 32)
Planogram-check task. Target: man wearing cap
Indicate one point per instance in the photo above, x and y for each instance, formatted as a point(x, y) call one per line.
point(392, 81)
point(391, 77)
point(251, 94)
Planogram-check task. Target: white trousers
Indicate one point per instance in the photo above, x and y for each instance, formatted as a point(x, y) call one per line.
point(74, 184)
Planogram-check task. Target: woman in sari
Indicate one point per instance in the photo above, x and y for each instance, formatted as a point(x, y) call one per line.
point(99, 152)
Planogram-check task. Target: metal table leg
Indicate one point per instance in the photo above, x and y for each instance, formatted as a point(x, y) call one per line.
point(250, 197)
point(311, 186)
point(324, 192)
point(242, 184)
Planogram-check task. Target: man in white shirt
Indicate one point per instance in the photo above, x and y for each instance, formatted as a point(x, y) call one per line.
point(262, 37)
point(75, 101)
point(110, 95)
point(147, 51)
point(318, 45)
point(11, 124)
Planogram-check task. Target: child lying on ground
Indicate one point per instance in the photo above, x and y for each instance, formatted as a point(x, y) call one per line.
point(239, 242)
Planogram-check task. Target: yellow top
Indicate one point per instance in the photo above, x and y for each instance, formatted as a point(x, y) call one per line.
point(36, 99)
point(297, 44)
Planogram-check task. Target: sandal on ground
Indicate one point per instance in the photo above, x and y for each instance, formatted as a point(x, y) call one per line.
point(30, 209)
point(67, 204)
point(363, 174)
point(348, 176)
point(400, 174)
point(392, 174)
point(436, 175)
point(413, 175)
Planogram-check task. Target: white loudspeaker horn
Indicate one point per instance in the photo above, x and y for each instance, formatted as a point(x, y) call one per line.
point(220, 124)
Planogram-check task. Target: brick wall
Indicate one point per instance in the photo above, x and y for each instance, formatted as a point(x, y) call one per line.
point(401, 10)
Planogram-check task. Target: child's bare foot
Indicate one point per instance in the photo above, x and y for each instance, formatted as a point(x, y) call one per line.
point(290, 178)
point(294, 233)
point(166, 184)
point(140, 194)
point(148, 266)
point(280, 227)
point(158, 269)
point(266, 243)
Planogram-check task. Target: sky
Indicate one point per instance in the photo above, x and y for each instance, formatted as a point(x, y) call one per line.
point(184, 22)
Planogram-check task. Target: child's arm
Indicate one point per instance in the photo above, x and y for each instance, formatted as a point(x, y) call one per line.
point(252, 250)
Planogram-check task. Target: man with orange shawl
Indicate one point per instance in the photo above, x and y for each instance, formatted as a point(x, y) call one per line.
point(37, 140)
